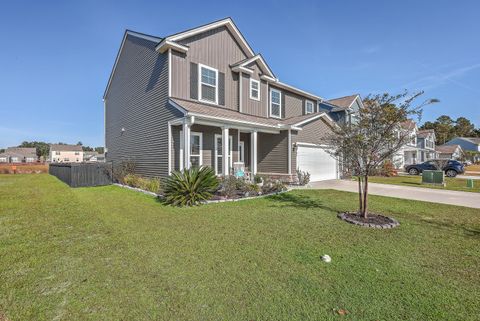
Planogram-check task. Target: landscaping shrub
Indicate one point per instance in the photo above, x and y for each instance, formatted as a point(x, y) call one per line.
point(303, 177)
point(257, 179)
point(387, 169)
point(250, 189)
point(147, 184)
point(191, 186)
point(121, 170)
point(270, 186)
point(231, 186)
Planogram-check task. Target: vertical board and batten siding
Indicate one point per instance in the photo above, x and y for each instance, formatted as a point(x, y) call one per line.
point(311, 133)
point(272, 153)
point(214, 48)
point(208, 144)
point(137, 101)
point(252, 106)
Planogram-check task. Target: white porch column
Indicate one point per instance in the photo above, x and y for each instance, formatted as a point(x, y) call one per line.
point(289, 151)
point(186, 144)
point(226, 151)
point(253, 151)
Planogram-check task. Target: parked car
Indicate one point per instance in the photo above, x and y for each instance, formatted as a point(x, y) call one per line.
point(451, 168)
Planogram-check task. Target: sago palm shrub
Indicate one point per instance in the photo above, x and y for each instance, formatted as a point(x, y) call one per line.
point(190, 186)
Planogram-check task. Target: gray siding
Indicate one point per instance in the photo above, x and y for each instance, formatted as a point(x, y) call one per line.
point(252, 106)
point(272, 155)
point(215, 48)
point(137, 102)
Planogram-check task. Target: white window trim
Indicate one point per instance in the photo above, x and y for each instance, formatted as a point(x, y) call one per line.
point(200, 162)
point(270, 105)
point(313, 107)
point(241, 158)
point(258, 83)
point(180, 163)
point(200, 66)
point(230, 152)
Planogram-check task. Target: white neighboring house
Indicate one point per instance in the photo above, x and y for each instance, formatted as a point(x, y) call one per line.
point(450, 151)
point(60, 153)
point(409, 153)
point(426, 145)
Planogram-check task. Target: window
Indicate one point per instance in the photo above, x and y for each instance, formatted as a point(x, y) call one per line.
point(195, 149)
point(77, 153)
point(309, 109)
point(254, 89)
point(57, 153)
point(66, 159)
point(275, 103)
point(219, 153)
point(208, 84)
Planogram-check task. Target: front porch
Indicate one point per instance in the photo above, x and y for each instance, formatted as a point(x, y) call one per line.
point(259, 150)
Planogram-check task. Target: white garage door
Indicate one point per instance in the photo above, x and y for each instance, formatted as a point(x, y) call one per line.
point(315, 160)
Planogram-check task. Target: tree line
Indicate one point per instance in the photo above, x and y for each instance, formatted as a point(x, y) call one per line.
point(446, 128)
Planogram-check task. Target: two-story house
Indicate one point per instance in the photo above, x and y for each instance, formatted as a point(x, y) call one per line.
point(204, 97)
point(62, 153)
point(409, 153)
point(426, 145)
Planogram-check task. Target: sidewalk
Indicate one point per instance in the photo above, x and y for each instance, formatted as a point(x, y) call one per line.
point(468, 199)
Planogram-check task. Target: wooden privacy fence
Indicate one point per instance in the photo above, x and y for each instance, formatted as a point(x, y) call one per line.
point(82, 174)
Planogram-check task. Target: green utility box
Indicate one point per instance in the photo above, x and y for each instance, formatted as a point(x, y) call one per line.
point(433, 177)
point(470, 183)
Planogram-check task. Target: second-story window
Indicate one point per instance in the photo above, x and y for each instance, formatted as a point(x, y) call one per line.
point(254, 89)
point(309, 109)
point(275, 103)
point(208, 84)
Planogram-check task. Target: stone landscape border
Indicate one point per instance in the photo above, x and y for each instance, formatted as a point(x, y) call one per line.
point(393, 222)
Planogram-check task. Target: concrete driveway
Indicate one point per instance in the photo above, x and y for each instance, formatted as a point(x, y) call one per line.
point(468, 199)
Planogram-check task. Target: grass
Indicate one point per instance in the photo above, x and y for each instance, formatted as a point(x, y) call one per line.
point(108, 253)
point(453, 184)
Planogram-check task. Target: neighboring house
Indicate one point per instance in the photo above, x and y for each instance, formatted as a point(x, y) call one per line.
point(426, 145)
point(204, 97)
point(449, 152)
point(409, 153)
point(468, 144)
point(342, 109)
point(92, 156)
point(19, 155)
point(60, 153)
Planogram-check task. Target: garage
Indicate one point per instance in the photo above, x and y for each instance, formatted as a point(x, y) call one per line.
point(316, 161)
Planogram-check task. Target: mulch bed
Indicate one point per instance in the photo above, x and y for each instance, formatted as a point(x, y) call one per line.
point(373, 220)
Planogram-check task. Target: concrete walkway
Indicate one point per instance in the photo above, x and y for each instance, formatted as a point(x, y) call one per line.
point(468, 199)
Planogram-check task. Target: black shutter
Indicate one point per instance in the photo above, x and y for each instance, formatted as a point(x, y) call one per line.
point(221, 88)
point(193, 81)
point(304, 105)
point(283, 105)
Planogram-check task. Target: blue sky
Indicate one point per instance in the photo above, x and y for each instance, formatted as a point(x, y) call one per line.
point(56, 56)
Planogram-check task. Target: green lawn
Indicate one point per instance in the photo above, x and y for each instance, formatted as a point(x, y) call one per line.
point(454, 184)
point(109, 253)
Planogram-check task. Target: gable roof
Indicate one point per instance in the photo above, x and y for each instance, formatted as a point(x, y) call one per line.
point(257, 58)
point(22, 151)
point(475, 140)
point(425, 132)
point(447, 149)
point(344, 102)
point(66, 148)
point(227, 22)
point(408, 124)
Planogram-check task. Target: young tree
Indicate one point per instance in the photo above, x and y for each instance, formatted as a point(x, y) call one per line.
point(375, 137)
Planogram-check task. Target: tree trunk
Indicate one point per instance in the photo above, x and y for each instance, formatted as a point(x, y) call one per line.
point(360, 195)
point(365, 197)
